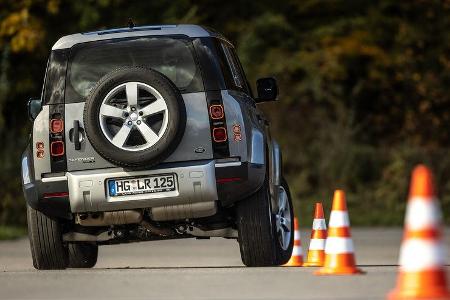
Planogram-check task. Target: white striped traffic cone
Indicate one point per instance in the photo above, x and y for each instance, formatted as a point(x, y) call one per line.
point(422, 259)
point(296, 259)
point(339, 252)
point(316, 252)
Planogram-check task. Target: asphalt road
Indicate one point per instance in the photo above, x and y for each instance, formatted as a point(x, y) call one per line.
point(200, 269)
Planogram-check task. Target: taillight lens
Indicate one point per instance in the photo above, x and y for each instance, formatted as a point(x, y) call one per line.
point(216, 111)
point(56, 125)
point(219, 134)
point(217, 121)
point(229, 179)
point(57, 148)
point(56, 195)
point(56, 138)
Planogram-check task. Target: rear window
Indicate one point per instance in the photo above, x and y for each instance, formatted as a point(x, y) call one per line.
point(173, 57)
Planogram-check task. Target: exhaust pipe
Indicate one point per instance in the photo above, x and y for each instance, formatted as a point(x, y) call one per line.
point(109, 218)
point(121, 218)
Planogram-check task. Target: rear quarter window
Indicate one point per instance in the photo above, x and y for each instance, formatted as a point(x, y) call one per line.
point(231, 67)
point(55, 78)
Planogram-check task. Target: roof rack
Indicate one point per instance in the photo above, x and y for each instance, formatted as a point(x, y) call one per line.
point(129, 29)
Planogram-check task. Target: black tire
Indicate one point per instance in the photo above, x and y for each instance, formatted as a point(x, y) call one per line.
point(167, 143)
point(47, 248)
point(82, 255)
point(258, 241)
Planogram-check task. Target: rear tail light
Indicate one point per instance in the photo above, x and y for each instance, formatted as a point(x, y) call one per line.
point(219, 134)
point(57, 148)
point(56, 125)
point(57, 138)
point(218, 123)
point(56, 195)
point(216, 111)
point(230, 179)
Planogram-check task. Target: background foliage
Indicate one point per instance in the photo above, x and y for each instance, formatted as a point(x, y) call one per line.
point(365, 87)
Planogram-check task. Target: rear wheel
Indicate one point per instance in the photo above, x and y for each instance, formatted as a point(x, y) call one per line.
point(265, 238)
point(82, 255)
point(47, 248)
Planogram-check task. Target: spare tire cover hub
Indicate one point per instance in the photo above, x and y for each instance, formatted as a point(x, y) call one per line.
point(135, 115)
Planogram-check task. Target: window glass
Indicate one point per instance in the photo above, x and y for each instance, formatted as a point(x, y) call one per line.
point(224, 66)
point(212, 63)
point(234, 67)
point(246, 85)
point(173, 57)
point(55, 78)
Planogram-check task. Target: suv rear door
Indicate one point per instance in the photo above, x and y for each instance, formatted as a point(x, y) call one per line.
point(89, 62)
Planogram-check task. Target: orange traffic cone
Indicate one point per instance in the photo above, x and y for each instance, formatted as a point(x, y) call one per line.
point(421, 273)
point(339, 253)
point(316, 252)
point(296, 259)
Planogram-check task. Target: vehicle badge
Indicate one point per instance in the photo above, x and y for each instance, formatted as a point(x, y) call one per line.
point(199, 150)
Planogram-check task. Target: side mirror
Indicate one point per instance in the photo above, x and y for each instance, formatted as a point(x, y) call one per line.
point(267, 89)
point(34, 108)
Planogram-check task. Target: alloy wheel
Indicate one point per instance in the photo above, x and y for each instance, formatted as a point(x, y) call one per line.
point(133, 116)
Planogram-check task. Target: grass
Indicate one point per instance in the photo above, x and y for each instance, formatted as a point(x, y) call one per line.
point(11, 232)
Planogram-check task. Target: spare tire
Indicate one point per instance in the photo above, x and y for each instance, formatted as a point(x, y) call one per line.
point(135, 117)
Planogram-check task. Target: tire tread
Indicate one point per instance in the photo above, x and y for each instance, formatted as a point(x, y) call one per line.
point(82, 255)
point(47, 249)
point(257, 237)
point(255, 230)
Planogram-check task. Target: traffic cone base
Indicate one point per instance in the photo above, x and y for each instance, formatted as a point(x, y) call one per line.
point(341, 271)
point(315, 258)
point(339, 264)
point(312, 264)
point(295, 261)
point(414, 282)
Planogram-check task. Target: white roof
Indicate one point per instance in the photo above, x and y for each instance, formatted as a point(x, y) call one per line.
point(189, 30)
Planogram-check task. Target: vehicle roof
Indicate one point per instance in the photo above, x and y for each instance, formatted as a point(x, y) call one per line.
point(193, 31)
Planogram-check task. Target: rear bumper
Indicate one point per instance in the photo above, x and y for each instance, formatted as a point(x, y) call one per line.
point(38, 193)
point(88, 193)
point(53, 206)
point(200, 185)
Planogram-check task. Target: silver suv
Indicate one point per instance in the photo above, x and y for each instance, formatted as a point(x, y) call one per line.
point(150, 133)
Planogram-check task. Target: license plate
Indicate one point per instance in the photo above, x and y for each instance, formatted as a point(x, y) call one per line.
point(142, 185)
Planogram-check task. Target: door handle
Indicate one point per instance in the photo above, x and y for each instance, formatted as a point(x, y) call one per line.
point(76, 135)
